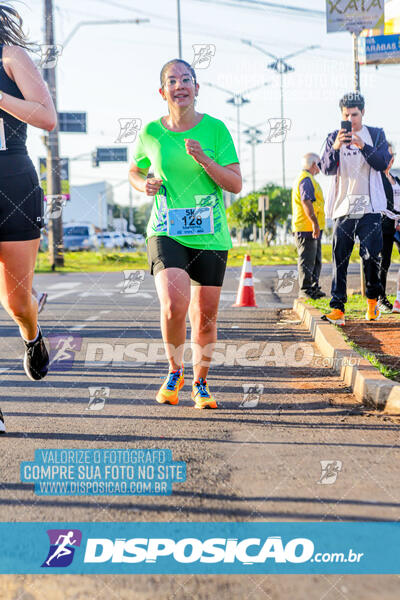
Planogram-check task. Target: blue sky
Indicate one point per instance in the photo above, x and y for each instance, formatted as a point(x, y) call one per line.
point(112, 72)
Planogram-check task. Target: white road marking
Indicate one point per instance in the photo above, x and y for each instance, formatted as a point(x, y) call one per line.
point(63, 285)
point(89, 320)
point(97, 294)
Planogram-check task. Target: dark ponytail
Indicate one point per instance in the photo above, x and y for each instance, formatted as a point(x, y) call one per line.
point(11, 33)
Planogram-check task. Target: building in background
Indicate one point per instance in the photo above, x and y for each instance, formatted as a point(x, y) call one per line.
point(120, 224)
point(92, 203)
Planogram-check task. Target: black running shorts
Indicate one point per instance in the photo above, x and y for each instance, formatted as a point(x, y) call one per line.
point(21, 199)
point(204, 267)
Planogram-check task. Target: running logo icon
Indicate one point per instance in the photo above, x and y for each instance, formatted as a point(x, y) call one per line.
point(98, 397)
point(287, 279)
point(63, 349)
point(49, 55)
point(329, 471)
point(251, 395)
point(128, 130)
point(62, 547)
point(203, 54)
point(278, 129)
point(54, 205)
point(132, 280)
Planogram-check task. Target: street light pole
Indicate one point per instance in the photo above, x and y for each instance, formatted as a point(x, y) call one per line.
point(237, 99)
point(178, 7)
point(356, 63)
point(283, 141)
point(281, 66)
point(53, 156)
point(103, 22)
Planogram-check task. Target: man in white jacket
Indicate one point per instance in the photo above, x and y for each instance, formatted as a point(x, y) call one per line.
point(355, 202)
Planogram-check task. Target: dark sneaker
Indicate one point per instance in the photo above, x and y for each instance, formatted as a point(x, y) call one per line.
point(36, 359)
point(318, 293)
point(306, 296)
point(385, 305)
point(2, 425)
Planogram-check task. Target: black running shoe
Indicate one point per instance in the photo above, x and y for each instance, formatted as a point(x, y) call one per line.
point(36, 359)
point(2, 425)
point(318, 293)
point(385, 305)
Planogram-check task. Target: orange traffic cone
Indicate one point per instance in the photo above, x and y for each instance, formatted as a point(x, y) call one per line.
point(246, 295)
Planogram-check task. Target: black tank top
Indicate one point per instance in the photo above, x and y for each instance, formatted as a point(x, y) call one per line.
point(14, 129)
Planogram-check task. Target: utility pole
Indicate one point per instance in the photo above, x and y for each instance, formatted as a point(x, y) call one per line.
point(356, 63)
point(53, 156)
point(237, 99)
point(130, 208)
point(281, 67)
point(178, 7)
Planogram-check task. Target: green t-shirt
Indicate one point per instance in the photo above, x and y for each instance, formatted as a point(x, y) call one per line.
point(185, 182)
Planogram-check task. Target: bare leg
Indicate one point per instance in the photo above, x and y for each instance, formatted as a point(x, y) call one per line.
point(203, 311)
point(17, 264)
point(173, 289)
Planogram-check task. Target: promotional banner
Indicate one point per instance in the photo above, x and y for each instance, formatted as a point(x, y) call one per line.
point(354, 15)
point(379, 49)
point(251, 548)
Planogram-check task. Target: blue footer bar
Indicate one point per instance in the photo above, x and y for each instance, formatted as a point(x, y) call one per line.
point(174, 548)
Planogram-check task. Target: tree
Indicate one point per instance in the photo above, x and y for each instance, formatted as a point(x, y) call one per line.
point(244, 211)
point(280, 207)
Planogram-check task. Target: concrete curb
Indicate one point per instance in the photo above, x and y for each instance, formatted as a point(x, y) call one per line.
point(368, 385)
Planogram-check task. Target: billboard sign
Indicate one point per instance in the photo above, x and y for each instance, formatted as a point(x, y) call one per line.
point(379, 49)
point(354, 15)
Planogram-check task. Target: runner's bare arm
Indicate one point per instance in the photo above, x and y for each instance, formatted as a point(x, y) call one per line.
point(229, 177)
point(138, 180)
point(37, 108)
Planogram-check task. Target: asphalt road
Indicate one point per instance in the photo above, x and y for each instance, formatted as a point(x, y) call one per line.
point(244, 463)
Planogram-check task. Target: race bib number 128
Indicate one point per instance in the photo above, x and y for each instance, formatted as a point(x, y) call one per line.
point(190, 221)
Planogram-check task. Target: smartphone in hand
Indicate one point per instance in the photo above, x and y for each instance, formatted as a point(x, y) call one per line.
point(346, 125)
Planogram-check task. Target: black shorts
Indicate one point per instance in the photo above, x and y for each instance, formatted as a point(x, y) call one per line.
point(21, 199)
point(204, 267)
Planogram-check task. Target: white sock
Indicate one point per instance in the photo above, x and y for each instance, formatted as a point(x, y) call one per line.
point(398, 296)
point(34, 339)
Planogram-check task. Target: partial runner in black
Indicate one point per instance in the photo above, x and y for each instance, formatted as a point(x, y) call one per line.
point(24, 98)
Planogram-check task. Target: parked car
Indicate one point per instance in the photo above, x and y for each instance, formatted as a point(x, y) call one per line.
point(79, 236)
point(106, 240)
point(139, 239)
point(119, 241)
point(129, 239)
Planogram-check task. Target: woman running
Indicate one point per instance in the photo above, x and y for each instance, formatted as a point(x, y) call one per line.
point(194, 159)
point(24, 98)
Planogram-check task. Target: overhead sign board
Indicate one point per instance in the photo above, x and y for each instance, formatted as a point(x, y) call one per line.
point(354, 15)
point(119, 154)
point(72, 122)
